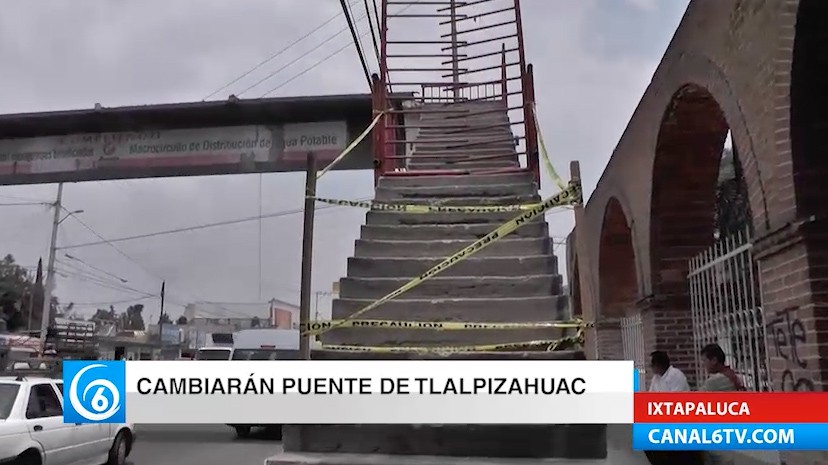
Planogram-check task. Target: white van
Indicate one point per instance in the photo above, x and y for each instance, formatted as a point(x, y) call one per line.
point(264, 344)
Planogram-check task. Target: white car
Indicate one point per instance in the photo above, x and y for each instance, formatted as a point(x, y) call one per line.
point(32, 431)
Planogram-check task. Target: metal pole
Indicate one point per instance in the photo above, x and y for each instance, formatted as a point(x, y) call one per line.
point(50, 268)
point(455, 64)
point(316, 306)
point(307, 255)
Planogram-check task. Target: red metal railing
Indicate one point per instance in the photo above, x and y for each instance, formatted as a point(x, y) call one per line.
point(462, 81)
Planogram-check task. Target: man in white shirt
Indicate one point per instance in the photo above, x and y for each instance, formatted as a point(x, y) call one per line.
point(666, 378)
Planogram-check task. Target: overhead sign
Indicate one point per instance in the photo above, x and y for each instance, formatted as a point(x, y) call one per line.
point(175, 152)
point(326, 140)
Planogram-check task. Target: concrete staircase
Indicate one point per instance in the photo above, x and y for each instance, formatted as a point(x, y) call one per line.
point(513, 280)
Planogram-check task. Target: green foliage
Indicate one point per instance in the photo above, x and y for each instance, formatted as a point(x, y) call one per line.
point(18, 293)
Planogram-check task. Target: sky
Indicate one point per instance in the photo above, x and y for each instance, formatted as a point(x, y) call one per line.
point(593, 60)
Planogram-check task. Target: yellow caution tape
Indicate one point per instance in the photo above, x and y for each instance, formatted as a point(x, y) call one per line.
point(569, 196)
point(350, 147)
point(442, 325)
point(545, 155)
point(390, 207)
point(548, 345)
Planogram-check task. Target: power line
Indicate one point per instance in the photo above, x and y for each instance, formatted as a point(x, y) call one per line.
point(121, 252)
point(194, 228)
point(295, 60)
point(28, 199)
point(356, 39)
point(323, 60)
point(111, 275)
point(273, 57)
point(308, 69)
point(74, 268)
point(22, 204)
point(69, 274)
point(115, 247)
point(371, 26)
point(104, 304)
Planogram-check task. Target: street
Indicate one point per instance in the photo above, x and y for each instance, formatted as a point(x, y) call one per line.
point(199, 445)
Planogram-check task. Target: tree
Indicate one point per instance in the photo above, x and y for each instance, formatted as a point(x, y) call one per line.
point(18, 294)
point(165, 319)
point(255, 323)
point(104, 316)
point(182, 320)
point(732, 213)
point(132, 319)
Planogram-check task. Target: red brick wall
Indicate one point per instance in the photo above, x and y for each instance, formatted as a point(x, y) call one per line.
point(752, 67)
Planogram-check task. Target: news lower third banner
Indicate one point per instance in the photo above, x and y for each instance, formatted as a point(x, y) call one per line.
point(349, 392)
point(730, 421)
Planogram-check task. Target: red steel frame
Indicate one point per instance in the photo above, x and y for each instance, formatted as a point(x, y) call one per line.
point(390, 132)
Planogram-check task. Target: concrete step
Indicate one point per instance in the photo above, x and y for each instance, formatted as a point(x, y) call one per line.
point(454, 286)
point(429, 139)
point(470, 117)
point(453, 164)
point(462, 201)
point(397, 218)
point(452, 308)
point(467, 232)
point(458, 181)
point(409, 193)
point(388, 267)
point(386, 337)
point(515, 441)
point(489, 131)
point(508, 247)
point(460, 152)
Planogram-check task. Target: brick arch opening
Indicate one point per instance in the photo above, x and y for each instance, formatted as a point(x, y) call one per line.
point(688, 155)
point(685, 174)
point(808, 103)
point(618, 292)
point(616, 264)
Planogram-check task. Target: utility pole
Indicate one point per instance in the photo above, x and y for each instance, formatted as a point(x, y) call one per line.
point(455, 63)
point(307, 256)
point(38, 281)
point(50, 268)
point(161, 314)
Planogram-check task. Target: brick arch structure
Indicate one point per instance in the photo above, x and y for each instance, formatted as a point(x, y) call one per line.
point(617, 270)
point(751, 66)
point(618, 277)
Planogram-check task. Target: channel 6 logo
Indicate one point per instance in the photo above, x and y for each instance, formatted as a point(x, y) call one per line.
point(94, 391)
